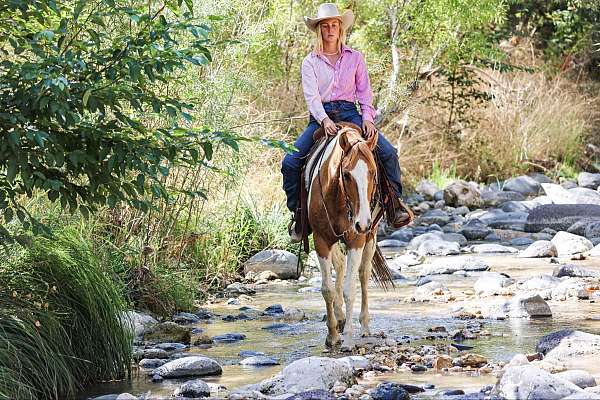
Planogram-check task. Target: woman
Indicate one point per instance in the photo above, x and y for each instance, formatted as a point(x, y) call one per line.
point(334, 76)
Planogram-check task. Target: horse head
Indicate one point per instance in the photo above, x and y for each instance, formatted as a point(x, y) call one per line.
point(358, 173)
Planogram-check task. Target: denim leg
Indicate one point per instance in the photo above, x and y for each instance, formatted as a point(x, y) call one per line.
point(386, 153)
point(291, 166)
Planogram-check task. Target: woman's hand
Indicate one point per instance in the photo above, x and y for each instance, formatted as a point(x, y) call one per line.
point(368, 129)
point(329, 127)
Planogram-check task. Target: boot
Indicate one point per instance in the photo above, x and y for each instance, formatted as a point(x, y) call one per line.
point(295, 228)
point(402, 215)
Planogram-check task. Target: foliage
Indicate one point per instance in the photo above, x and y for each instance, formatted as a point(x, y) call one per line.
point(60, 320)
point(442, 177)
point(78, 81)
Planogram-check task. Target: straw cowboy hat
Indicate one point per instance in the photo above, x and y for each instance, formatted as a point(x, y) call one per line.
point(329, 10)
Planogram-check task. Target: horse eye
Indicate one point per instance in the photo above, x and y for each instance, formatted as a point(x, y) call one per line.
point(346, 175)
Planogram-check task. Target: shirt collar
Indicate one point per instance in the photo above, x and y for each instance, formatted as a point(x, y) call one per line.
point(345, 49)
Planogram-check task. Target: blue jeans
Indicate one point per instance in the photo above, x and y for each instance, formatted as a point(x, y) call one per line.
point(338, 111)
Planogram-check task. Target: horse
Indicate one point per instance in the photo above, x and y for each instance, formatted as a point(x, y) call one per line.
point(340, 178)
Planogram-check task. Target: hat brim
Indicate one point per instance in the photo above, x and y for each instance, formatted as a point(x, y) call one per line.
point(347, 20)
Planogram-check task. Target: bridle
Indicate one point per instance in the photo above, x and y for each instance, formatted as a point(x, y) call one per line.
point(349, 209)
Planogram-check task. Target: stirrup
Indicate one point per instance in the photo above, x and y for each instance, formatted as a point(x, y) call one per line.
point(403, 215)
point(295, 236)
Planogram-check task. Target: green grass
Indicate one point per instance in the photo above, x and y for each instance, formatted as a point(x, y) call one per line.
point(442, 177)
point(60, 320)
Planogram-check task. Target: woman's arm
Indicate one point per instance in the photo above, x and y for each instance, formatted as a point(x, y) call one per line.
point(310, 87)
point(364, 94)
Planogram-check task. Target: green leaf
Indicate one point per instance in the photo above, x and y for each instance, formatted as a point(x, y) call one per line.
point(11, 172)
point(86, 96)
point(8, 214)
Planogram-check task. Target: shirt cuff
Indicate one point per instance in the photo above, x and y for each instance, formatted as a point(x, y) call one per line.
point(368, 114)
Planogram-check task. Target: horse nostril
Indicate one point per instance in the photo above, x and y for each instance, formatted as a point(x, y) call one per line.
point(357, 226)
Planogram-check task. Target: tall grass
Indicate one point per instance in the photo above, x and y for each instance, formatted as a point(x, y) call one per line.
point(60, 320)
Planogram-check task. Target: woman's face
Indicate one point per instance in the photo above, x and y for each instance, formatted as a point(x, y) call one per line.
point(330, 30)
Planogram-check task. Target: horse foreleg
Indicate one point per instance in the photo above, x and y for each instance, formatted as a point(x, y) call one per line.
point(338, 264)
point(365, 275)
point(353, 259)
point(324, 253)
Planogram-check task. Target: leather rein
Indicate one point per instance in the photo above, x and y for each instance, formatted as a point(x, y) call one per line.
point(347, 203)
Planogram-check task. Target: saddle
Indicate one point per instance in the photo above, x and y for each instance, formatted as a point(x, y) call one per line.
point(383, 192)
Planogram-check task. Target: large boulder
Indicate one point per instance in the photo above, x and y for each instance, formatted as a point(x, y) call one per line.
point(539, 283)
point(499, 219)
point(194, 389)
point(434, 217)
point(492, 198)
point(595, 252)
point(490, 248)
point(189, 367)
point(283, 263)
point(306, 374)
point(578, 377)
point(137, 322)
point(529, 306)
point(541, 248)
point(525, 185)
point(574, 271)
point(462, 193)
point(588, 180)
point(571, 288)
point(559, 216)
point(568, 244)
point(528, 382)
point(585, 196)
point(570, 349)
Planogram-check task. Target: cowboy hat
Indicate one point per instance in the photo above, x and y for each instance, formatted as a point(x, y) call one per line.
point(326, 11)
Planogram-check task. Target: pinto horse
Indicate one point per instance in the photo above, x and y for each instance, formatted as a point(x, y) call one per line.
point(341, 180)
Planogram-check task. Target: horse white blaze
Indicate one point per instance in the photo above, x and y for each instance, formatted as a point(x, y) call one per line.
point(360, 173)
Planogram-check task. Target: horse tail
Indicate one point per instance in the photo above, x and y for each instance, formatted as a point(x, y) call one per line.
point(382, 275)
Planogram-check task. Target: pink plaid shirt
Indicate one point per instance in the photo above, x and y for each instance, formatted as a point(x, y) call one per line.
point(346, 80)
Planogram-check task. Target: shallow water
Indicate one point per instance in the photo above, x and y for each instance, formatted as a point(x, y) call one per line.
point(388, 314)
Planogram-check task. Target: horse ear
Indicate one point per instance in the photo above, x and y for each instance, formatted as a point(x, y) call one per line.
point(372, 141)
point(344, 142)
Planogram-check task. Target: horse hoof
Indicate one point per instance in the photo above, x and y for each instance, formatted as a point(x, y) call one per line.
point(365, 333)
point(340, 325)
point(332, 341)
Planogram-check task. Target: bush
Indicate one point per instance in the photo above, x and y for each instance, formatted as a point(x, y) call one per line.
point(60, 318)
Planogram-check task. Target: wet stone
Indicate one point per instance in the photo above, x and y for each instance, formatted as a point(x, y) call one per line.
point(418, 368)
point(229, 338)
point(273, 310)
point(389, 391)
point(259, 361)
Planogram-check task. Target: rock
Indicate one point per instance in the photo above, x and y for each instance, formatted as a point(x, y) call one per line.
point(505, 220)
point(185, 318)
point(427, 188)
point(274, 310)
point(584, 196)
point(229, 338)
point(588, 180)
point(406, 260)
point(517, 360)
point(472, 360)
point(418, 368)
point(560, 216)
point(493, 198)
point(455, 237)
point(311, 373)
point(461, 193)
point(529, 382)
point(524, 185)
point(403, 235)
point(389, 391)
point(189, 366)
point(592, 229)
point(462, 210)
point(570, 288)
point(192, 390)
point(454, 264)
point(356, 362)
point(166, 332)
point(238, 288)
point(595, 252)
point(475, 230)
point(578, 228)
point(578, 377)
point(491, 248)
point(281, 262)
point(539, 282)
point(541, 248)
point(568, 244)
point(574, 271)
point(438, 248)
point(435, 217)
point(529, 306)
point(491, 283)
point(391, 243)
point(259, 361)
point(442, 361)
point(293, 314)
point(570, 349)
point(423, 238)
point(558, 194)
point(137, 322)
point(250, 353)
point(430, 289)
point(521, 241)
point(122, 396)
point(151, 363)
point(312, 395)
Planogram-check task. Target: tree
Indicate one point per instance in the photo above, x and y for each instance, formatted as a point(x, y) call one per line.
point(84, 113)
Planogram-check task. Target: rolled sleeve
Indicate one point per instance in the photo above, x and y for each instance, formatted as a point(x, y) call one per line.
point(364, 93)
point(310, 88)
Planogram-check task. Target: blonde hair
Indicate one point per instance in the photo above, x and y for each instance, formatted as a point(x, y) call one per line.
point(318, 49)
